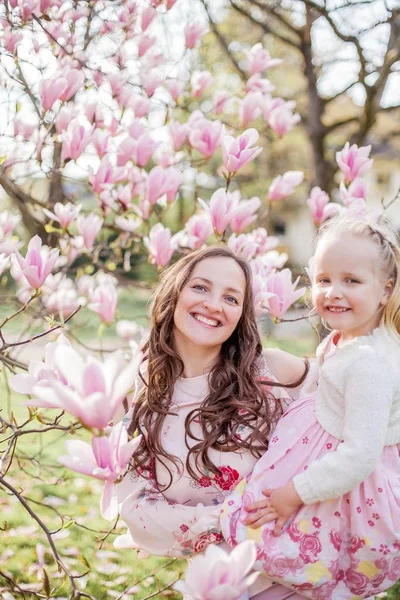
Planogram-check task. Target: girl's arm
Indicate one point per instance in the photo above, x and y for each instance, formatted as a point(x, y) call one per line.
point(162, 528)
point(369, 393)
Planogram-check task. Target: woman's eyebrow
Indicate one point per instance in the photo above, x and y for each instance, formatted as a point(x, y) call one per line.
point(229, 289)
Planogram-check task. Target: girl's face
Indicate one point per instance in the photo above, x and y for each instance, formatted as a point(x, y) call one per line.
point(210, 305)
point(348, 290)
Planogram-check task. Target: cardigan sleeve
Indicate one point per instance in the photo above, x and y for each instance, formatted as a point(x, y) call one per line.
point(368, 396)
point(163, 528)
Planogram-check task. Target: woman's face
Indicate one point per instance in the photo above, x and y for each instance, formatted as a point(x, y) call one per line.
point(210, 305)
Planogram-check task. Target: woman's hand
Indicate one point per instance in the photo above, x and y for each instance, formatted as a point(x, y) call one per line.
point(278, 505)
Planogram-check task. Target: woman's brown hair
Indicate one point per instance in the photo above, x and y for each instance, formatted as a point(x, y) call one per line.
point(237, 396)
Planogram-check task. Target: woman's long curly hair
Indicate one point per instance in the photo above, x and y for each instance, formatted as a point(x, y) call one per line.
point(234, 382)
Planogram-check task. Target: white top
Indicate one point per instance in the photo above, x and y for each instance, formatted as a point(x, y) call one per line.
point(357, 401)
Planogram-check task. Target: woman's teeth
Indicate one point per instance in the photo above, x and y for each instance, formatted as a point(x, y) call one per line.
point(206, 321)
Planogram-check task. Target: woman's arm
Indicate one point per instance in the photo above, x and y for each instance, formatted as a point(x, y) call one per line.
point(162, 528)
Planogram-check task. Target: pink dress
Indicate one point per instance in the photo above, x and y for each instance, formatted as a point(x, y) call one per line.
point(341, 549)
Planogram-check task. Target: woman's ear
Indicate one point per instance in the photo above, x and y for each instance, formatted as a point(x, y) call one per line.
point(388, 289)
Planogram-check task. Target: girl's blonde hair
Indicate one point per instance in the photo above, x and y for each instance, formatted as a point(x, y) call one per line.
point(382, 232)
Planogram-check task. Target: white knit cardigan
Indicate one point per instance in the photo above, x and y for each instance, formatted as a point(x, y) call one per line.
point(357, 401)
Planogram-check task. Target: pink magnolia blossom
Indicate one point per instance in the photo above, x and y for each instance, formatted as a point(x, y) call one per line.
point(284, 185)
point(250, 107)
point(116, 82)
point(4, 262)
point(243, 245)
point(101, 140)
point(165, 156)
point(64, 118)
point(280, 284)
point(105, 175)
point(257, 83)
point(197, 230)
point(106, 458)
point(172, 183)
point(356, 207)
point(25, 130)
point(179, 134)
point(50, 91)
point(38, 370)
point(139, 150)
point(259, 59)
point(147, 17)
point(282, 119)
point(94, 390)
point(151, 80)
point(38, 262)
point(236, 153)
point(205, 136)
point(261, 295)
point(145, 42)
point(353, 161)
point(8, 222)
point(89, 227)
point(103, 301)
point(11, 40)
point(245, 214)
point(160, 245)
point(193, 32)
point(140, 105)
point(320, 207)
point(200, 81)
point(75, 80)
point(76, 138)
point(128, 224)
point(94, 114)
point(270, 104)
point(217, 574)
point(264, 264)
point(136, 129)
point(222, 208)
point(60, 296)
point(264, 241)
point(221, 101)
point(64, 214)
point(357, 189)
point(175, 88)
point(127, 330)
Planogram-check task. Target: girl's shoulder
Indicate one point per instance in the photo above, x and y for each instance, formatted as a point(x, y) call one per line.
point(379, 349)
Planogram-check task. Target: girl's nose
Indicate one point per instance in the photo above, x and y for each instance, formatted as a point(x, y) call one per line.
point(334, 291)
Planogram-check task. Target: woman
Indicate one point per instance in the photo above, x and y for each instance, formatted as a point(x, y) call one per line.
point(204, 411)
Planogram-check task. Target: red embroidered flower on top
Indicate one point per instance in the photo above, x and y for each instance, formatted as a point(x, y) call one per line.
point(184, 528)
point(205, 481)
point(228, 478)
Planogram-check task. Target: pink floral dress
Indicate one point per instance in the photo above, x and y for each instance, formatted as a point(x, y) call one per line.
point(343, 549)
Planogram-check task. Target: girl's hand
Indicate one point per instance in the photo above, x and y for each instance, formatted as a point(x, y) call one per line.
point(279, 505)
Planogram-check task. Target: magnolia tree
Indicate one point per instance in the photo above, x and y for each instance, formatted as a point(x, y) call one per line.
point(99, 92)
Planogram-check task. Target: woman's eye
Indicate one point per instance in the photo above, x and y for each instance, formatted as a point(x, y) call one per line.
point(198, 287)
point(232, 299)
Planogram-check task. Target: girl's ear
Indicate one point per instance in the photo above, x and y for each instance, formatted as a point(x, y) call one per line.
point(388, 289)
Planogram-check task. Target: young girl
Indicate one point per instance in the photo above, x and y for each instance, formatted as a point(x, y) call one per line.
point(325, 498)
point(204, 414)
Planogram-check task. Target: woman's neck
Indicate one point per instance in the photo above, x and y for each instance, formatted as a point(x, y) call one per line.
point(197, 360)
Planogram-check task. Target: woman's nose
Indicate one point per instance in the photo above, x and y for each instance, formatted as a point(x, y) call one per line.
point(213, 304)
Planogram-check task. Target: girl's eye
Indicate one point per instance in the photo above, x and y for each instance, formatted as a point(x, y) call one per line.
point(351, 280)
point(323, 280)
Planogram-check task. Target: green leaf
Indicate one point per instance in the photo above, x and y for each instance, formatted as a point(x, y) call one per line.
point(46, 583)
